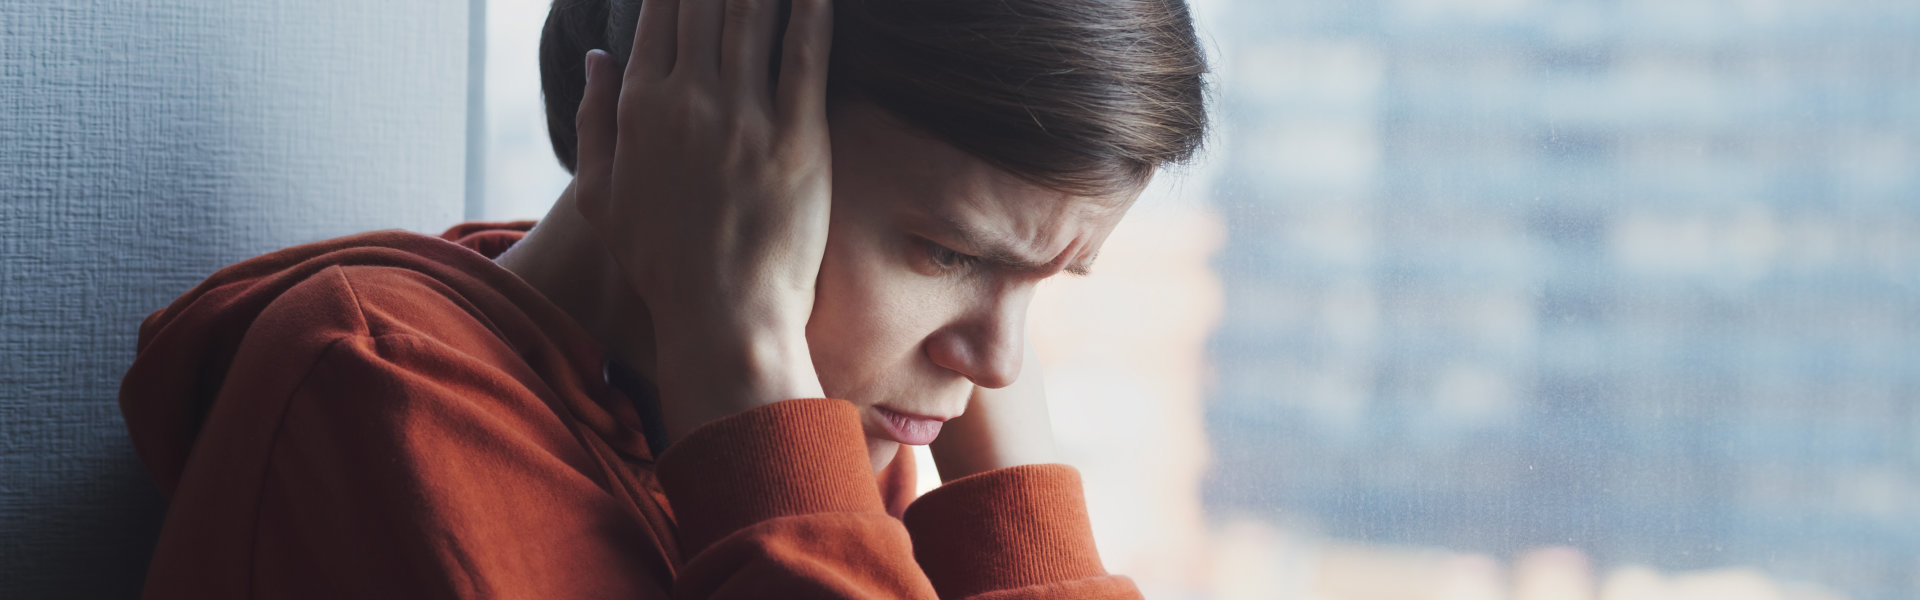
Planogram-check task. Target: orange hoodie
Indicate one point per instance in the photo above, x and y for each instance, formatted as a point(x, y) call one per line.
point(394, 415)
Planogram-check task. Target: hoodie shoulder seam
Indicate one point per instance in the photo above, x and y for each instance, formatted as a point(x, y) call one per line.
point(380, 346)
point(359, 310)
point(273, 444)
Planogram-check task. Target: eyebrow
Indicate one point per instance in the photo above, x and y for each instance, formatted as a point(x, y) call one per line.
point(997, 250)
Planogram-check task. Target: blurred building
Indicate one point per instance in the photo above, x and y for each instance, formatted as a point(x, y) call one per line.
point(1640, 278)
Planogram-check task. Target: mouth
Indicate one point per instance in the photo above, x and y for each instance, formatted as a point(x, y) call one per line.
point(906, 428)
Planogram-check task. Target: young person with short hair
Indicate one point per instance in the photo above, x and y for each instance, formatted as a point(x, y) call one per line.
point(799, 235)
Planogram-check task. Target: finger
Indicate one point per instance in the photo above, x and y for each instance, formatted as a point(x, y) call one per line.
point(699, 41)
point(803, 62)
point(746, 47)
point(653, 36)
point(595, 127)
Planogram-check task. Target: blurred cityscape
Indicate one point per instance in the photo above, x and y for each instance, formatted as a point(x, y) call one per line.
point(1635, 281)
point(1491, 300)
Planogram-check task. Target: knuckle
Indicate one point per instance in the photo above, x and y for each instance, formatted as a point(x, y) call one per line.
point(750, 152)
point(792, 157)
point(588, 107)
point(630, 101)
point(739, 12)
point(691, 110)
point(802, 55)
point(584, 114)
point(743, 125)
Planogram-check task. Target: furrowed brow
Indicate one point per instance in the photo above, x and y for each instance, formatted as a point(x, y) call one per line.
point(997, 250)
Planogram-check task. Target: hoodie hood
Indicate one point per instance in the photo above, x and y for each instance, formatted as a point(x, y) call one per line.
point(185, 349)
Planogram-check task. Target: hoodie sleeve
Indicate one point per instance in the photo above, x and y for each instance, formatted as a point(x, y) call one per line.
point(779, 501)
point(1018, 532)
point(398, 471)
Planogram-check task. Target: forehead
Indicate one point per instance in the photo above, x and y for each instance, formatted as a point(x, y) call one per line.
point(937, 189)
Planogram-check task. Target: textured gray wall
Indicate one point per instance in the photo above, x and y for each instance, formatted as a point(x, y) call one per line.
point(144, 145)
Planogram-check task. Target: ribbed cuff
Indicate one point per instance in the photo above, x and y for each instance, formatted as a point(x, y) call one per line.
point(1004, 529)
point(789, 458)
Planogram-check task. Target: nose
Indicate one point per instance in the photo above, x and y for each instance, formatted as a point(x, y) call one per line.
point(984, 345)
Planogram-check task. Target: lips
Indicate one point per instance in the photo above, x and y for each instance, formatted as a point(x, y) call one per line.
point(909, 429)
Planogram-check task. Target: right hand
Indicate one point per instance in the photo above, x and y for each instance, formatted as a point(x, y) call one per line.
point(710, 185)
point(1004, 427)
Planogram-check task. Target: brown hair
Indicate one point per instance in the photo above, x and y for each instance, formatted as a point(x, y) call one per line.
point(1083, 96)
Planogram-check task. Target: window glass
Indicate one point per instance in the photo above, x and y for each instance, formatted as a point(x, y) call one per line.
point(1565, 299)
point(523, 178)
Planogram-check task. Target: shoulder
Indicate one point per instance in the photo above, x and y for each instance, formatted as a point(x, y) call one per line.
point(377, 328)
point(375, 343)
point(407, 367)
point(376, 301)
point(371, 340)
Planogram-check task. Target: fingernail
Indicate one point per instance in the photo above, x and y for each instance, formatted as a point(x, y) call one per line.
point(588, 67)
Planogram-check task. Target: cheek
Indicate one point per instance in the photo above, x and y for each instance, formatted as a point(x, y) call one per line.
point(868, 318)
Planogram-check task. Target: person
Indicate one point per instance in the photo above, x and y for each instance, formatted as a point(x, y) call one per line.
point(798, 236)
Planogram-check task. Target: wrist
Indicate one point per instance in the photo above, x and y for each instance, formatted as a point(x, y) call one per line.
point(978, 451)
point(1005, 427)
point(985, 440)
point(713, 373)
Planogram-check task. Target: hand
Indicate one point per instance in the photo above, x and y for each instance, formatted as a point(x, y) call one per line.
point(710, 185)
point(1002, 428)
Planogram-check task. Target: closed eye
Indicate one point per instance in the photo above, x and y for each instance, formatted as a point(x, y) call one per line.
point(946, 259)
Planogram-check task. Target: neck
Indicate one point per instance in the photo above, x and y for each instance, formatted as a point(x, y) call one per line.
point(563, 258)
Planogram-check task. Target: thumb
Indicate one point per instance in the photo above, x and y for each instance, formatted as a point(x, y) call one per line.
point(596, 126)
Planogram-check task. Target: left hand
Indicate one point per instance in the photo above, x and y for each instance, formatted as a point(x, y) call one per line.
point(1002, 428)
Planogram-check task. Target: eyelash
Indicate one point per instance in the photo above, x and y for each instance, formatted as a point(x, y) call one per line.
point(946, 259)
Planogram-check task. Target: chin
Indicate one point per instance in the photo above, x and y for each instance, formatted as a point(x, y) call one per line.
point(881, 452)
